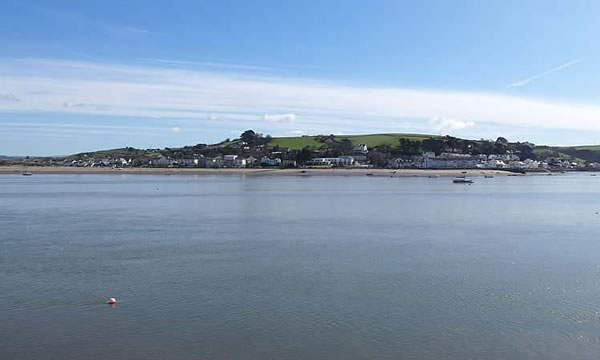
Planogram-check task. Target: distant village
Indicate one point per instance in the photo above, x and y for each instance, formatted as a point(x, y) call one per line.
point(254, 150)
point(426, 160)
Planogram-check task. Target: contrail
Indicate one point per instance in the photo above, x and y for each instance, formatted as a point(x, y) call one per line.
point(553, 70)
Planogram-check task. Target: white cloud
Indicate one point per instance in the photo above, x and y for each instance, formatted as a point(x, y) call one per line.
point(280, 118)
point(243, 101)
point(528, 80)
point(176, 129)
point(443, 125)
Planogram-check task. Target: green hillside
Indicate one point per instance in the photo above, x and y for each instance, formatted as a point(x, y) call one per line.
point(371, 140)
point(127, 153)
point(587, 147)
point(580, 153)
point(99, 153)
point(296, 142)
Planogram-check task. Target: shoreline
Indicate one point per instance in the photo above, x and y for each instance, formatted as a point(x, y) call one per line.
point(65, 170)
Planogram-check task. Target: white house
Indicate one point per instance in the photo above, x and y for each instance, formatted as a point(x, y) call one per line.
point(161, 162)
point(288, 163)
point(230, 161)
point(214, 162)
point(360, 149)
point(251, 160)
point(187, 162)
point(267, 161)
point(339, 161)
point(239, 163)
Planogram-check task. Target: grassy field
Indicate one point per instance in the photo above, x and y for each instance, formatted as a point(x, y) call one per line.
point(296, 142)
point(384, 139)
point(544, 152)
point(587, 147)
point(100, 153)
point(372, 140)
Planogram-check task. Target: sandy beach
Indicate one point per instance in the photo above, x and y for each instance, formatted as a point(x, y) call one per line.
point(248, 172)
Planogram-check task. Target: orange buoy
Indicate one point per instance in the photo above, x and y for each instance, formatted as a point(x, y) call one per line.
point(112, 301)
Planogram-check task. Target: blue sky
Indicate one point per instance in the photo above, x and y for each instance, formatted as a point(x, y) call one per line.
point(80, 75)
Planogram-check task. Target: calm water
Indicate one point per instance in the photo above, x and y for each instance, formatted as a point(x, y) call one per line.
point(299, 268)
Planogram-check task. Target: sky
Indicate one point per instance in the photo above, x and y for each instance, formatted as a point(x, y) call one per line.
point(80, 76)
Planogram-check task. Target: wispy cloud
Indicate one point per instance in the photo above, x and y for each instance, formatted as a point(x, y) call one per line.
point(97, 107)
point(122, 30)
point(202, 97)
point(9, 97)
point(530, 79)
point(52, 129)
point(82, 21)
point(208, 64)
point(176, 129)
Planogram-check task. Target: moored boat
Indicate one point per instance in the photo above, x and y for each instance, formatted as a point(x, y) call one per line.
point(462, 180)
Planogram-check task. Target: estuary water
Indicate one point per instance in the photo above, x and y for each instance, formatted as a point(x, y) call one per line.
point(209, 267)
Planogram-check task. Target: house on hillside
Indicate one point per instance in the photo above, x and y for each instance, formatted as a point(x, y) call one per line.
point(360, 149)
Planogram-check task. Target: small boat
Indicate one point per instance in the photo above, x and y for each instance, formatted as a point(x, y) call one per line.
point(27, 174)
point(489, 176)
point(434, 176)
point(462, 180)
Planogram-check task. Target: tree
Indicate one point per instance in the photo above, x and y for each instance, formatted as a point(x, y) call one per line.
point(346, 147)
point(525, 151)
point(378, 159)
point(409, 147)
point(452, 142)
point(303, 156)
point(433, 145)
point(487, 147)
point(470, 147)
point(404, 147)
point(265, 140)
point(248, 136)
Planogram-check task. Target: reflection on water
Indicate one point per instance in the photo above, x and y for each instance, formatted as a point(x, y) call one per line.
point(299, 268)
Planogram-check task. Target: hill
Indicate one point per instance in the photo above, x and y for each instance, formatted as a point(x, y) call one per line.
point(393, 141)
point(579, 153)
point(7, 157)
